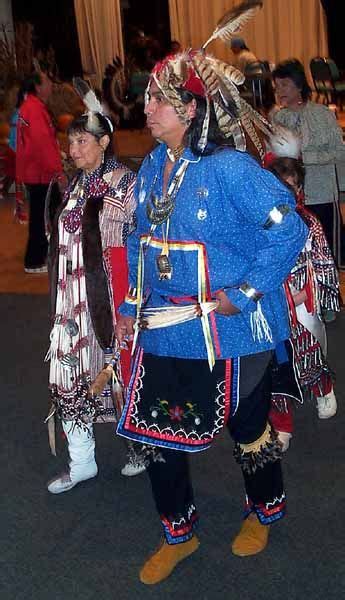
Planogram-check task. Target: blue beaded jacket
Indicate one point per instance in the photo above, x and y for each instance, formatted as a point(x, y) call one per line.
point(221, 222)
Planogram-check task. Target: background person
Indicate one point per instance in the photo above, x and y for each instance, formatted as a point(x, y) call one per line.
point(321, 146)
point(243, 57)
point(20, 211)
point(37, 162)
point(312, 285)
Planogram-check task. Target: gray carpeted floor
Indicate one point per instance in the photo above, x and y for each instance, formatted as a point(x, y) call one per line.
point(89, 543)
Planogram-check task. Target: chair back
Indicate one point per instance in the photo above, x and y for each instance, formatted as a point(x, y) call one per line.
point(259, 91)
point(322, 77)
point(326, 77)
point(254, 69)
point(333, 69)
point(321, 73)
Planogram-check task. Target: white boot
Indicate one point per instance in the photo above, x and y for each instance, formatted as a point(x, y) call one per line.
point(327, 405)
point(82, 466)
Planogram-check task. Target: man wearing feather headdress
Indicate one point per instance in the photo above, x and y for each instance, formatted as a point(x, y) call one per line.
point(216, 237)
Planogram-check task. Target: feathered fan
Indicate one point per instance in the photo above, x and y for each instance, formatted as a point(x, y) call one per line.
point(233, 20)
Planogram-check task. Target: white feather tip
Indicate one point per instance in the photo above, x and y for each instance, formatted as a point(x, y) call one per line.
point(284, 143)
point(87, 95)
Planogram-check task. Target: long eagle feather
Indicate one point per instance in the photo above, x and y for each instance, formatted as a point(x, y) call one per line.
point(87, 95)
point(234, 19)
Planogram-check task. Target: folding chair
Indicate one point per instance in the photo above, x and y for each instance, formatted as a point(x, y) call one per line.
point(327, 82)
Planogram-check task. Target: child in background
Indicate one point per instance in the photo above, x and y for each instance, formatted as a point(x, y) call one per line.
point(20, 211)
point(312, 286)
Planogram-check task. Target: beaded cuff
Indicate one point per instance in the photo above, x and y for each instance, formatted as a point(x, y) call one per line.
point(250, 292)
point(276, 215)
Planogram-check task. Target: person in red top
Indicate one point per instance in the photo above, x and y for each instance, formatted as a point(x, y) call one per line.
point(37, 162)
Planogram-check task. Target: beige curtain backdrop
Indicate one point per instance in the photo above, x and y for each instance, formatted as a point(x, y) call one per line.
point(100, 35)
point(282, 29)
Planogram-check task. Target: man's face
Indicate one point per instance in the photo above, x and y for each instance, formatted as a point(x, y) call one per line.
point(162, 118)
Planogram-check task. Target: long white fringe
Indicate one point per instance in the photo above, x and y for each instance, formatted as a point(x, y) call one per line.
point(260, 328)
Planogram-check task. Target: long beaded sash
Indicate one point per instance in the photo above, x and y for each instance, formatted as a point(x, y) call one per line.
point(69, 347)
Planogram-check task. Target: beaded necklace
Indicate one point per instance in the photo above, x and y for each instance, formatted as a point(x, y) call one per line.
point(159, 211)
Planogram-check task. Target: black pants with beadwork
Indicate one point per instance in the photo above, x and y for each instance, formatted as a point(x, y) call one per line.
point(169, 469)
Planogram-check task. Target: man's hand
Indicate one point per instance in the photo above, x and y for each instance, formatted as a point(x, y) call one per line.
point(124, 327)
point(224, 305)
point(299, 297)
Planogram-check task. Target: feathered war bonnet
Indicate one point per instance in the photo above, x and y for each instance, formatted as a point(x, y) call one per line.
point(94, 108)
point(216, 81)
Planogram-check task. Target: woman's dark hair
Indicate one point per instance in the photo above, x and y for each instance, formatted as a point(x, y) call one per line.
point(215, 138)
point(21, 95)
point(284, 167)
point(293, 69)
point(103, 127)
point(28, 86)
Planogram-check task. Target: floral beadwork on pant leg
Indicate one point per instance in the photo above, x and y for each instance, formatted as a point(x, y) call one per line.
point(176, 413)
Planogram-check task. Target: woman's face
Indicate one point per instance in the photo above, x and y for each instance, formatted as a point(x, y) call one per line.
point(86, 151)
point(288, 94)
point(291, 180)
